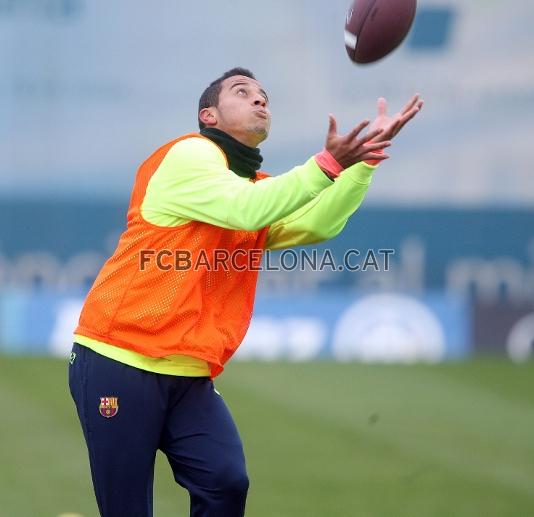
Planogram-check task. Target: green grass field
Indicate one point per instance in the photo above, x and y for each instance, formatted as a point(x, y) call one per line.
point(322, 440)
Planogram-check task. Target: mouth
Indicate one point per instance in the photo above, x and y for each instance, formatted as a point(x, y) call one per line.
point(262, 114)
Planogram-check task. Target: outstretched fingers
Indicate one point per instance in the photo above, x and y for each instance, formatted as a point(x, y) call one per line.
point(409, 115)
point(411, 104)
point(371, 134)
point(358, 129)
point(375, 146)
point(374, 156)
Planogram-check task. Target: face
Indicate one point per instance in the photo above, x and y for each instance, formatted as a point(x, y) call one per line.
point(243, 111)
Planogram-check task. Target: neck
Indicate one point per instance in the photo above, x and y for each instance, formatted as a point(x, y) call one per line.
point(242, 159)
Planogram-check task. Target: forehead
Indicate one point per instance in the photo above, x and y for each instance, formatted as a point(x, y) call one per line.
point(240, 79)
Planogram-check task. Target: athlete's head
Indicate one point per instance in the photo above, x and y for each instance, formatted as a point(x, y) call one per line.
point(236, 104)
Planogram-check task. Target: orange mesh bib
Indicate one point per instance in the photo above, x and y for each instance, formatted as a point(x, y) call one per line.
point(201, 312)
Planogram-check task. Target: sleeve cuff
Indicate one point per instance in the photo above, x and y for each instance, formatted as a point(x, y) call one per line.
point(328, 164)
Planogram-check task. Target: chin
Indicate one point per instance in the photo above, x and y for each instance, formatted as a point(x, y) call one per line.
point(261, 132)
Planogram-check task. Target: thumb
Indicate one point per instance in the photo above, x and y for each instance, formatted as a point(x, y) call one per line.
point(382, 106)
point(332, 125)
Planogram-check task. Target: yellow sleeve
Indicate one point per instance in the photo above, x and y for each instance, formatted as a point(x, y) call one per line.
point(326, 215)
point(194, 183)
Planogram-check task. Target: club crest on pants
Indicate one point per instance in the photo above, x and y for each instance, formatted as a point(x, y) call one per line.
point(109, 406)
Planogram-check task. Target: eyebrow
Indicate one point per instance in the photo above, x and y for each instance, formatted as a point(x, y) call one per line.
point(243, 83)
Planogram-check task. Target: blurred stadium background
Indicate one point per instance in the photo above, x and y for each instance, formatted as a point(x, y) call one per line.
point(89, 89)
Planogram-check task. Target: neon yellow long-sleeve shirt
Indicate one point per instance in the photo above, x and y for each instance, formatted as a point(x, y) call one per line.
point(194, 183)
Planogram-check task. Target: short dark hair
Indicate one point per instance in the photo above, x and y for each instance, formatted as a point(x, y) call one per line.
point(210, 96)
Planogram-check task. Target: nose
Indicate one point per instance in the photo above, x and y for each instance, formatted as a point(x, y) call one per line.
point(259, 100)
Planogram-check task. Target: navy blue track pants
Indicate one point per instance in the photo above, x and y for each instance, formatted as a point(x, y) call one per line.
point(127, 414)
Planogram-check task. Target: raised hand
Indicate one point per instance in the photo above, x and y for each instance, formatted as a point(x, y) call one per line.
point(391, 125)
point(350, 149)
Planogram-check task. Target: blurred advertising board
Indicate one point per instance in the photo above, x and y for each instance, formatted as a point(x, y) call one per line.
point(386, 327)
point(504, 329)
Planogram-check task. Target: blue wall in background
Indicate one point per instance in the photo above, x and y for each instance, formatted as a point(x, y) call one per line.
point(447, 266)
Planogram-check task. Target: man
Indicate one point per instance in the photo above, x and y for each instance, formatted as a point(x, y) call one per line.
point(153, 333)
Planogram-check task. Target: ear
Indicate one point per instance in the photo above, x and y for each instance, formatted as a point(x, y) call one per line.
point(208, 116)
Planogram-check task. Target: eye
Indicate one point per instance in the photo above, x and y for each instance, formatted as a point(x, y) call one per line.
point(242, 91)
